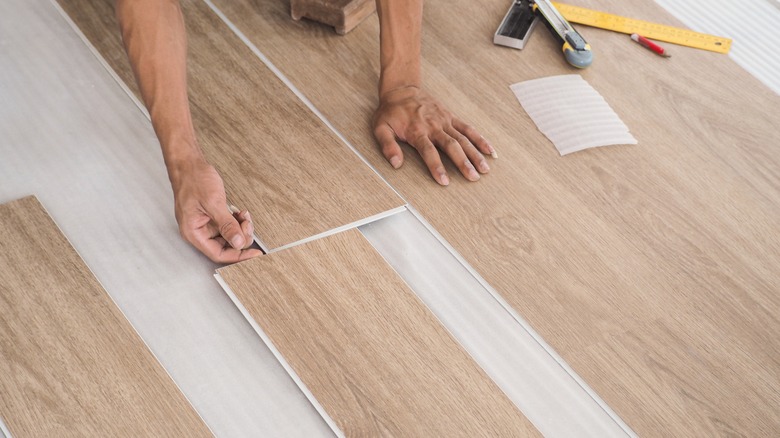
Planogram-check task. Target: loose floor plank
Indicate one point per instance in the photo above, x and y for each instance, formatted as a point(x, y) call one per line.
point(600, 243)
point(369, 351)
point(277, 158)
point(70, 363)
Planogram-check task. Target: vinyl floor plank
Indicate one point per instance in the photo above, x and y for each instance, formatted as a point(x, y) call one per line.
point(277, 159)
point(369, 351)
point(601, 242)
point(706, 392)
point(70, 363)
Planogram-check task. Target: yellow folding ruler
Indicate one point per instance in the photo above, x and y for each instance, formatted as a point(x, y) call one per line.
point(654, 31)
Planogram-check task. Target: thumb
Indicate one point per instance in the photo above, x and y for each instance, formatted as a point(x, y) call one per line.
point(228, 227)
point(386, 137)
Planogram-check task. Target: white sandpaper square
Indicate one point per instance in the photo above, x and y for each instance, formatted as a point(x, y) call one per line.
point(571, 113)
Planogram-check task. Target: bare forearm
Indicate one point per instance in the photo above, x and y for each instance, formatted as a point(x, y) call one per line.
point(156, 42)
point(400, 40)
point(410, 114)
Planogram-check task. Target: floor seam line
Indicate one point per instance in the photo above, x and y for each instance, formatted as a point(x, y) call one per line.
point(526, 326)
point(479, 278)
point(286, 81)
point(101, 60)
point(121, 312)
point(280, 358)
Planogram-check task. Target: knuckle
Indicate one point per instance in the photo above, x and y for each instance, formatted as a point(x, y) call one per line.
point(226, 228)
point(379, 131)
point(417, 130)
point(426, 147)
point(388, 147)
point(216, 202)
point(185, 233)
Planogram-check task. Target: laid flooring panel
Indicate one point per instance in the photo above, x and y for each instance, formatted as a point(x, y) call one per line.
point(369, 351)
point(70, 363)
point(277, 159)
point(72, 137)
point(601, 242)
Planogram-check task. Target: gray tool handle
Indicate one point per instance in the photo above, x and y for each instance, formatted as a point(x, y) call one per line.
point(576, 50)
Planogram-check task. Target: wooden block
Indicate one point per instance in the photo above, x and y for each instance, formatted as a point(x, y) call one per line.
point(70, 363)
point(343, 15)
point(601, 242)
point(278, 160)
point(373, 355)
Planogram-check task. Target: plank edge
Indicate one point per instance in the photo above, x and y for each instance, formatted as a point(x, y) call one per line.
point(524, 325)
point(111, 300)
point(278, 355)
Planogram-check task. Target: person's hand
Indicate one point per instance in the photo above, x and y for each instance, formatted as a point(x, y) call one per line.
point(204, 218)
point(411, 115)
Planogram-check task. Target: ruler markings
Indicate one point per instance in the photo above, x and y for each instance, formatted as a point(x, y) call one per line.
point(647, 29)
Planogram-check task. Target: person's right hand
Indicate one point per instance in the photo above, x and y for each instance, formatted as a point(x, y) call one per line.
point(203, 215)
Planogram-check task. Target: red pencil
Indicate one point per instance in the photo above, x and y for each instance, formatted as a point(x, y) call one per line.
point(644, 42)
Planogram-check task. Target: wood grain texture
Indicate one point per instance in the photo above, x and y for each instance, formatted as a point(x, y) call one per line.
point(371, 353)
point(603, 242)
point(277, 158)
point(70, 363)
point(343, 15)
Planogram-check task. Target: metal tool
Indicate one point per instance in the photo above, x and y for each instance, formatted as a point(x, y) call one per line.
point(517, 25)
point(520, 21)
point(575, 49)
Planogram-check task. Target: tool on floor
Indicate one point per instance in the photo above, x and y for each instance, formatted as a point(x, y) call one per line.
point(646, 43)
point(344, 15)
point(520, 21)
point(658, 32)
point(517, 25)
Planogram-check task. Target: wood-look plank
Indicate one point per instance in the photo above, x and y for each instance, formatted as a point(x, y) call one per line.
point(70, 363)
point(601, 242)
point(277, 158)
point(723, 380)
point(370, 352)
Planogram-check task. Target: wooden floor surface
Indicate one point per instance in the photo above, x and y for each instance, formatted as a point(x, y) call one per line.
point(277, 158)
point(373, 355)
point(634, 262)
point(70, 363)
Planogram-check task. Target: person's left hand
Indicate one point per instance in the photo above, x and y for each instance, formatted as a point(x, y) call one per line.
point(413, 116)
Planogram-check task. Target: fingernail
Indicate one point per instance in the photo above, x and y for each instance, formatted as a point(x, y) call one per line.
point(395, 161)
point(237, 242)
point(233, 209)
point(483, 166)
point(472, 172)
point(445, 180)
